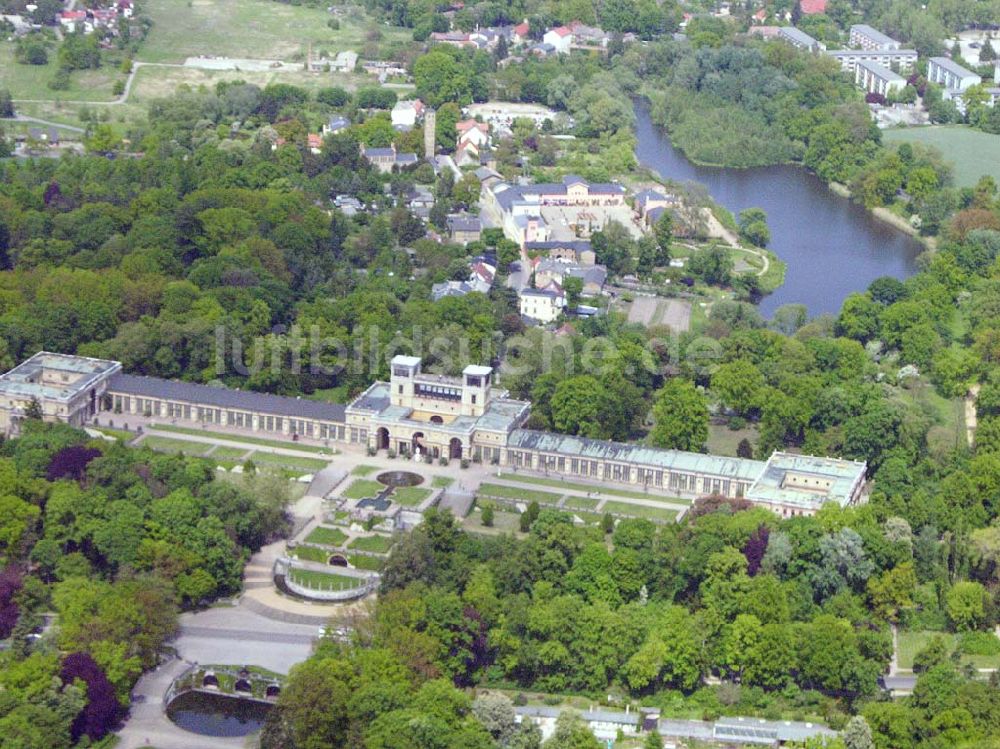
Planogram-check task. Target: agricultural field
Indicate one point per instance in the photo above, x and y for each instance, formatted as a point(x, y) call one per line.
point(974, 153)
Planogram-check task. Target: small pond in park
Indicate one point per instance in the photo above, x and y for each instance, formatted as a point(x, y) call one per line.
point(217, 714)
point(400, 478)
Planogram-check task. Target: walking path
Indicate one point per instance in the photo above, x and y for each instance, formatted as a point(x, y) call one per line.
point(47, 123)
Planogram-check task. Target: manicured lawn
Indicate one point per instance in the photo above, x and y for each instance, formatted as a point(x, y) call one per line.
point(723, 441)
point(342, 516)
point(376, 544)
point(361, 488)
point(165, 444)
point(578, 486)
point(363, 470)
point(442, 482)
point(640, 511)
point(229, 453)
point(911, 643)
point(326, 535)
point(973, 152)
point(311, 554)
point(363, 562)
point(516, 492)
point(242, 438)
point(288, 461)
point(324, 580)
point(122, 435)
point(581, 503)
point(503, 522)
point(410, 496)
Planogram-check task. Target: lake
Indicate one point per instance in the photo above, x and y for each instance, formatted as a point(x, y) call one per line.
point(832, 247)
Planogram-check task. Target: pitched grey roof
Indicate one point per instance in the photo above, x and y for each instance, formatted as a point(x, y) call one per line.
point(220, 397)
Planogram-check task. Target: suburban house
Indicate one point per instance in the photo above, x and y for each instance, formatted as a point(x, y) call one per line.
point(385, 159)
point(314, 142)
point(473, 131)
point(336, 124)
point(467, 154)
point(561, 38)
point(878, 79)
point(405, 114)
point(482, 272)
point(864, 36)
point(812, 7)
point(463, 228)
point(554, 270)
point(542, 305)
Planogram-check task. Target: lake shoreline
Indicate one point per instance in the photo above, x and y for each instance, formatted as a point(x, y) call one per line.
point(831, 246)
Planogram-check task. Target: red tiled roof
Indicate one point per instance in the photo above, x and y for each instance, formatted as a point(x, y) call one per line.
point(522, 29)
point(562, 31)
point(314, 140)
point(812, 7)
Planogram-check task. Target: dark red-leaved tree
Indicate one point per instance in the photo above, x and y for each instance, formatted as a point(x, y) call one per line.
point(874, 98)
point(754, 549)
point(102, 711)
point(10, 584)
point(71, 463)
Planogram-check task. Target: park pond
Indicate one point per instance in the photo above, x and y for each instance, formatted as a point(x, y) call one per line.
point(832, 247)
point(217, 714)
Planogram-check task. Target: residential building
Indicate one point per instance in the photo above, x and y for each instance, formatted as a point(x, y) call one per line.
point(799, 39)
point(520, 32)
point(473, 131)
point(405, 114)
point(553, 270)
point(482, 272)
point(648, 200)
point(572, 251)
point(385, 159)
point(542, 305)
point(812, 7)
point(542, 49)
point(901, 60)
point(463, 228)
point(453, 38)
point(878, 79)
point(314, 142)
point(336, 124)
point(560, 38)
point(344, 62)
point(948, 73)
point(520, 207)
point(864, 36)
